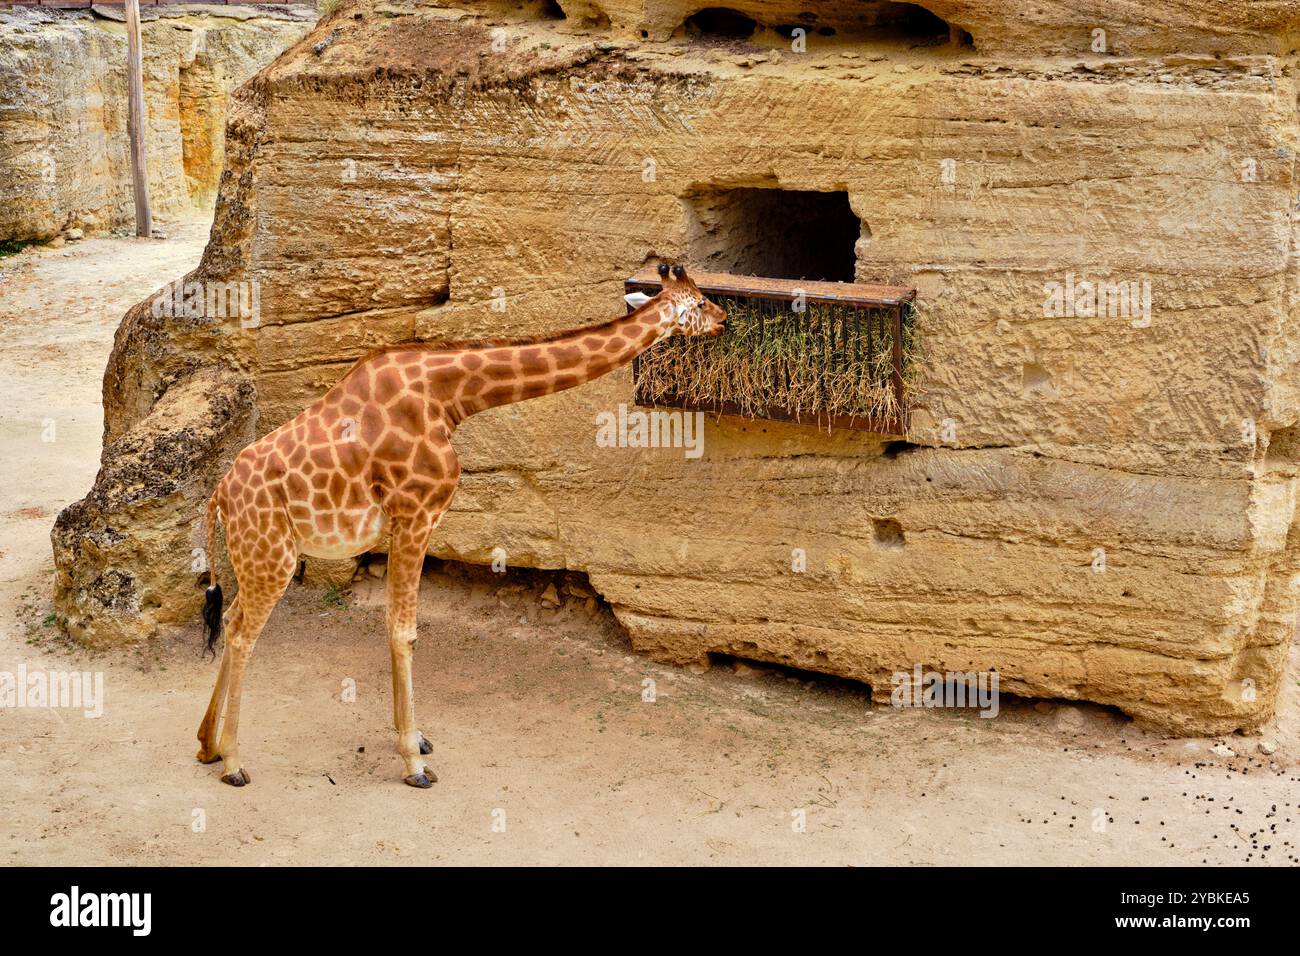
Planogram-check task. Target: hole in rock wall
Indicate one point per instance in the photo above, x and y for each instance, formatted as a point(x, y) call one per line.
point(778, 233)
point(786, 30)
point(911, 20)
point(721, 23)
point(863, 22)
point(1283, 452)
point(550, 10)
point(769, 672)
point(888, 533)
point(1037, 381)
point(896, 448)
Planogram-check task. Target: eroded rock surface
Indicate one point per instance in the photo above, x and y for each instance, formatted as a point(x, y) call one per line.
point(1099, 507)
point(129, 554)
point(63, 158)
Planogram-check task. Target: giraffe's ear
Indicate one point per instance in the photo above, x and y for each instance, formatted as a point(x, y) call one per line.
point(636, 299)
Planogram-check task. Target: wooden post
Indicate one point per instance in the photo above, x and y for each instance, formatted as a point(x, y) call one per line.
point(136, 120)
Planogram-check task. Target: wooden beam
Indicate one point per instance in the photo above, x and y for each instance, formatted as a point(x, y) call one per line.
point(725, 283)
point(135, 123)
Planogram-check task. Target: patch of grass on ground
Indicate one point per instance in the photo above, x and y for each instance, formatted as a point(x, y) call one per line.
point(11, 247)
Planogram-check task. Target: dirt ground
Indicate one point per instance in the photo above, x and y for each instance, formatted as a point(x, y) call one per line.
point(549, 745)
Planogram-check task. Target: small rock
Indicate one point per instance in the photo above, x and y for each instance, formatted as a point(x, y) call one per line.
point(56, 242)
point(697, 668)
point(550, 597)
point(1003, 327)
point(73, 234)
point(1043, 707)
point(744, 670)
point(324, 44)
point(1223, 750)
point(329, 572)
point(591, 605)
point(1267, 747)
point(377, 569)
point(578, 590)
point(1069, 718)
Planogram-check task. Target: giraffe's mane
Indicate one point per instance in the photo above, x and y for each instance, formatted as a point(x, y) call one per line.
point(465, 345)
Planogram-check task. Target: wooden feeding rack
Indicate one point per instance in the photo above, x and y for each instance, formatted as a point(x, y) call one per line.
point(839, 362)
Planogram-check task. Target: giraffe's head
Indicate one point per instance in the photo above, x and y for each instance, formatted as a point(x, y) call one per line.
point(682, 306)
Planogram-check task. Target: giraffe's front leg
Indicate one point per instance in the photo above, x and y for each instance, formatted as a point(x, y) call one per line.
point(425, 746)
point(405, 561)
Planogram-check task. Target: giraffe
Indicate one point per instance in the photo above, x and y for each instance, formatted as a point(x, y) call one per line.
point(373, 459)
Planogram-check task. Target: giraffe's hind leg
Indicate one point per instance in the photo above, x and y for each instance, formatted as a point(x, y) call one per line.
point(208, 729)
point(263, 577)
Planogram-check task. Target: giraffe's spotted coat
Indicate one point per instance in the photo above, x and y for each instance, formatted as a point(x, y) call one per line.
point(373, 459)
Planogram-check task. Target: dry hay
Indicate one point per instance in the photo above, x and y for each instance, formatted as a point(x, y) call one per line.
point(831, 359)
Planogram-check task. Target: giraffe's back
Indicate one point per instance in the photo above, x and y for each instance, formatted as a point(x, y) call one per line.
point(376, 445)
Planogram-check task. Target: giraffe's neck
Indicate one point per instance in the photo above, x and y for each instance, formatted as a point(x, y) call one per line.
point(503, 374)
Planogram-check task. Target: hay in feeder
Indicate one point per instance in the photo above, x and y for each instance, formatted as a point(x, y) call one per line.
point(832, 359)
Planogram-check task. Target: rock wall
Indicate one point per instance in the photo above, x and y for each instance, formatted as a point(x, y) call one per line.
point(1098, 506)
point(63, 143)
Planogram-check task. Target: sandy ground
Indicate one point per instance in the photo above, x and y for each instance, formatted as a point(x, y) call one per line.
point(547, 746)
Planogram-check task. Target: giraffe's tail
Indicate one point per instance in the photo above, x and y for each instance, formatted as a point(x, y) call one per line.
point(212, 599)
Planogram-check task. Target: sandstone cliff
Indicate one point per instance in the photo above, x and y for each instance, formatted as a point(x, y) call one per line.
point(63, 146)
point(1098, 506)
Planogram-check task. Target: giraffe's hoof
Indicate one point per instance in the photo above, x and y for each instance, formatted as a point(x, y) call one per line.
point(423, 780)
point(204, 757)
point(426, 748)
point(239, 778)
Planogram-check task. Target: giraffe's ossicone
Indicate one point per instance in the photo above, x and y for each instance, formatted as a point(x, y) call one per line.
point(373, 460)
